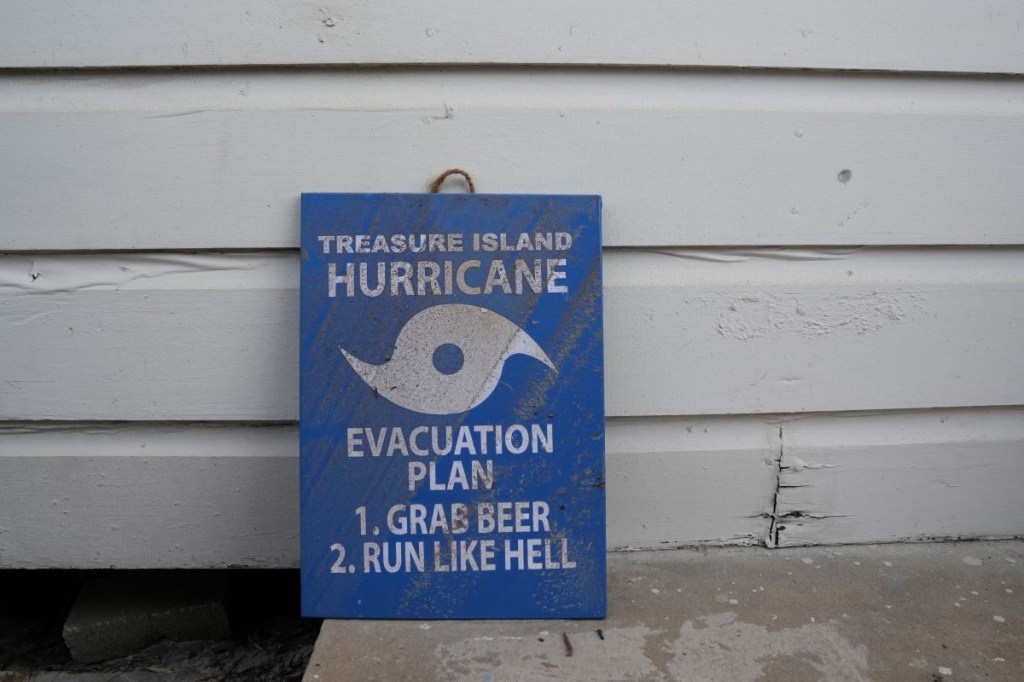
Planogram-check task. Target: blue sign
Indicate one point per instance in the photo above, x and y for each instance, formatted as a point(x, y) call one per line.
point(452, 417)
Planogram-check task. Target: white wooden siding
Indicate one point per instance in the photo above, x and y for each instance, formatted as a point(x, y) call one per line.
point(892, 477)
point(917, 35)
point(675, 482)
point(148, 496)
point(795, 355)
point(181, 161)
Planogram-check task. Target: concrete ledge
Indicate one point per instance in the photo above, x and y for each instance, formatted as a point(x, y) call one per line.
point(882, 612)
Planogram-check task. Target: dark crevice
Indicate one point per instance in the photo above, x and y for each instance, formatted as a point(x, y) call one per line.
point(773, 530)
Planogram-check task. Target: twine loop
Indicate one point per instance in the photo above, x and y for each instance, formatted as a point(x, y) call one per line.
point(435, 186)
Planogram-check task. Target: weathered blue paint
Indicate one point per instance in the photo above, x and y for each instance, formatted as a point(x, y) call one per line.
point(447, 343)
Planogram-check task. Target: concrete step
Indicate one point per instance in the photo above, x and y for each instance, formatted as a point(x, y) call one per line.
point(881, 612)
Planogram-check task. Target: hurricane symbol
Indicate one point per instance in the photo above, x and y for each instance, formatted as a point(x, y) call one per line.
point(441, 335)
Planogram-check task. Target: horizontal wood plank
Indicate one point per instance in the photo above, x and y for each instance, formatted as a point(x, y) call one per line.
point(149, 497)
point(921, 35)
point(192, 496)
point(897, 477)
point(678, 482)
point(214, 336)
point(218, 161)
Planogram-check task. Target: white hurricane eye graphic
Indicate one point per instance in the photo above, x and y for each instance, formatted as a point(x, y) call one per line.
point(485, 339)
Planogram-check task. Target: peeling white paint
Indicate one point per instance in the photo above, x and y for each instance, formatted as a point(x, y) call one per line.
point(797, 464)
point(812, 316)
point(742, 255)
point(146, 271)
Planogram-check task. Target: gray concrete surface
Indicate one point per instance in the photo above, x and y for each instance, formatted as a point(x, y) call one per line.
point(883, 612)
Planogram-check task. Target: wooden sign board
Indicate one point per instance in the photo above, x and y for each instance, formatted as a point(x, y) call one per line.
point(452, 417)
